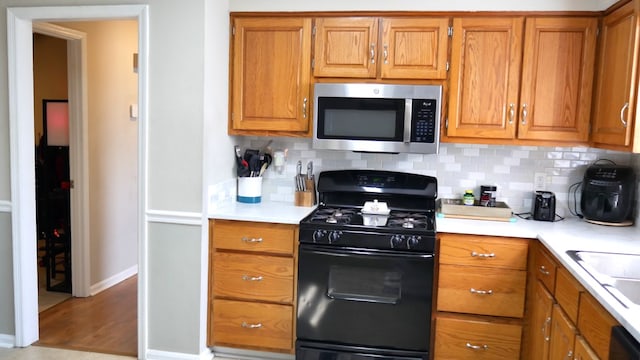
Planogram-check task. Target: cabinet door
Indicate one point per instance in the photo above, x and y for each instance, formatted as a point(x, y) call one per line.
point(557, 81)
point(485, 72)
point(563, 335)
point(583, 351)
point(614, 97)
point(271, 74)
point(414, 48)
point(540, 326)
point(346, 47)
point(595, 324)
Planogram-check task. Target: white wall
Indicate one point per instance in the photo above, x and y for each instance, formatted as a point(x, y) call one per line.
point(113, 146)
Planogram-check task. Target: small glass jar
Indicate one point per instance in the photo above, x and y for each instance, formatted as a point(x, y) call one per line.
point(468, 198)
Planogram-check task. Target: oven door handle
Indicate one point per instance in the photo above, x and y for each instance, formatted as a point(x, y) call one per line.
point(337, 251)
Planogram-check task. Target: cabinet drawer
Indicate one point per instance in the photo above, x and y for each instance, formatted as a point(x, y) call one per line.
point(461, 339)
point(595, 323)
point(545, 269)
point(252, 324)
point(568, 293)
point(251, 236)
point(484, 291)
point(499, 252)
point(253, 277)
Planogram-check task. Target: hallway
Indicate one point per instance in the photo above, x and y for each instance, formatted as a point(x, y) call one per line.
point(105, 323)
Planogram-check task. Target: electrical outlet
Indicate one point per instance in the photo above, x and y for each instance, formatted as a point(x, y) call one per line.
point(539, 181)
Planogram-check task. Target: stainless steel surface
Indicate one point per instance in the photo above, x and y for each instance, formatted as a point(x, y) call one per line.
point(365, 90)
point(617, 273)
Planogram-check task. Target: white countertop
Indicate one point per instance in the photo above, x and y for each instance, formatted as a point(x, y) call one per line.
point(558, 237)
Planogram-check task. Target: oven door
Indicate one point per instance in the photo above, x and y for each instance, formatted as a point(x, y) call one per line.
point(364, 298)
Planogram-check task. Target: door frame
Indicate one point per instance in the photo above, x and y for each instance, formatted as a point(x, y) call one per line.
point(21, 143)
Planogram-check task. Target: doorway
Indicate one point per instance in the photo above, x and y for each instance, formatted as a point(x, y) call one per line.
point(111, 166)
point(20, 22)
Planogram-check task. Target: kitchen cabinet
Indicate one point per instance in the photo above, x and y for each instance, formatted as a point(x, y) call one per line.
point(496, 94)
point(480, 297)
point(270, 76)
point(384, 48)
point(615, 93)
point(252, 285)
point(565, 321)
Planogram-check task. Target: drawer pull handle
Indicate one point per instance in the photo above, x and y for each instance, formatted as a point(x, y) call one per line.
point(481, 292)
point(251, 326)
point(477, 347)
point(481, 255)
point(251, 278)
point(251, 240)
point(544, 270)
point(545, 329)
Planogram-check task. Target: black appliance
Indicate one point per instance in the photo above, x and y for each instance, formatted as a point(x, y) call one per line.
point(623, 346)
point(365, 281)
point(544, 206)
point(608, 193)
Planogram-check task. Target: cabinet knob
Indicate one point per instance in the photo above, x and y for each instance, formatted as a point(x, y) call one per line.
point(512, 113)
point(544, 270)
point(251, 326)
point(372, 53)
point(304, 108)
point(481, 292)
point(385, 53)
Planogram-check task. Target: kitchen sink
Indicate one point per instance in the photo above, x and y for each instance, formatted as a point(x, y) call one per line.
point(617, 273)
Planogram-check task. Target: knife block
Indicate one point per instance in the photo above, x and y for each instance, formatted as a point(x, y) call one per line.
point(308, 197)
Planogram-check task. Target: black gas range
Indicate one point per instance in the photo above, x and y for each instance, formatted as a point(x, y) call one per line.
point(365, 269)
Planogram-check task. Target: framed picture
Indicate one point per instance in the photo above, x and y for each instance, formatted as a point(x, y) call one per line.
point(56, 122)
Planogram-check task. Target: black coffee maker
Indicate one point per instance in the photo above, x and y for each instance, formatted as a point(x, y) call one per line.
point(608, 194)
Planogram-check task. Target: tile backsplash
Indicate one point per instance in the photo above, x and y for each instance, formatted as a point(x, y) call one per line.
point(457, 167)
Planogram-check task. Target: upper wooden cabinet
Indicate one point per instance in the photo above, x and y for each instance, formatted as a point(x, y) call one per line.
point(496, 93)
point(386, 48)
point(615, 94)
point(270, 80)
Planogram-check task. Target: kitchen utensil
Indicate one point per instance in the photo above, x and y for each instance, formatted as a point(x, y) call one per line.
point(310, 170)
point(300, 185)
point(263, 168)
point(242, 167)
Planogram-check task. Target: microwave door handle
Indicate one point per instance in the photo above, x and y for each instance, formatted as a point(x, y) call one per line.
point(408, 105)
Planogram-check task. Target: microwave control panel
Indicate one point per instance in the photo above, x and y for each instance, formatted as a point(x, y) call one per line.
point(423, 122)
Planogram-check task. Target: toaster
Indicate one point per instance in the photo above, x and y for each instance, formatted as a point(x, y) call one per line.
point(544, 206)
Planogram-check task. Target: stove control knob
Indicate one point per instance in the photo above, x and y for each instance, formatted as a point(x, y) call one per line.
point(334, 236)
point(413, 242)
point(396, 241)
point(318, 235)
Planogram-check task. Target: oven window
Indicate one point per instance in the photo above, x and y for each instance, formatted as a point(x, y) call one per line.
point(361, 119)
point(361, 284)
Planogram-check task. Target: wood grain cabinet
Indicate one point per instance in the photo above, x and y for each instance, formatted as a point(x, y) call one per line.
point(480, 297)
point(498, 94)
point(565, 322)
point(270, 76)
point(252, 285)
point(615, 94)
point(384, 48)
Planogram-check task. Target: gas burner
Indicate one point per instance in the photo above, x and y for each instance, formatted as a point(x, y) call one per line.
point(408, 220)
point(333, 215)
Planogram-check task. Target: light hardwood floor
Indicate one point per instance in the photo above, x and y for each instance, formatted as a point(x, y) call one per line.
point(104, 323)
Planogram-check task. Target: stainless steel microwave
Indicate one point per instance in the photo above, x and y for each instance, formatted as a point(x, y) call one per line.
point(384, 118)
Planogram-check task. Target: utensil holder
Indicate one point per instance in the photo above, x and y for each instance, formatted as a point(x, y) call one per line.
point(307, 197)
point(249, 190)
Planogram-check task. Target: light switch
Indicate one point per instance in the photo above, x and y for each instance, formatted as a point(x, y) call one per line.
point(133, 111)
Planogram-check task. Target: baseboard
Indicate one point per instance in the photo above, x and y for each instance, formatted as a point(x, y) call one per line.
point(168, 355)
point(7, 341)
point(115, 279)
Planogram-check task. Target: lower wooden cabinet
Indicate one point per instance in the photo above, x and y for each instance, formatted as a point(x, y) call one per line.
point(469, 338)
point(252, 285)
point(252, 324)
point(565, 321)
